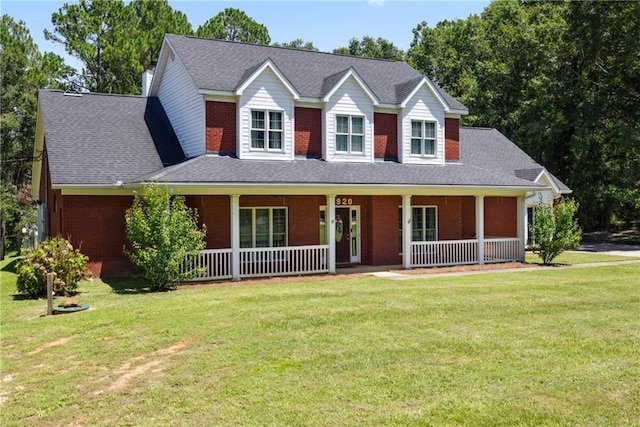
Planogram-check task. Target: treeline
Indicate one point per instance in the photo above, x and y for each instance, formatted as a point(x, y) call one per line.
point(561, 79)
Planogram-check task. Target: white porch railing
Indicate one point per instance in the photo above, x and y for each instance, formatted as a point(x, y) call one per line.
point(444, 252)
point(215, 263)
point(255, 262)
point(501, 249)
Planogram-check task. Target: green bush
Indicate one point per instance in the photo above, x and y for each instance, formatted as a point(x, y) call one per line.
point(56, 256)
point(163, 232)
point(555, 229)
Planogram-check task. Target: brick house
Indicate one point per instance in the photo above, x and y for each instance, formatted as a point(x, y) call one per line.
point(298, 162)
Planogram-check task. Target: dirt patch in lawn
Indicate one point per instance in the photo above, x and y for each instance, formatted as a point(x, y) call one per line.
point(54, 343)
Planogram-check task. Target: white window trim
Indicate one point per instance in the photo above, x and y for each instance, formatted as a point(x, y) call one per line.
point(266, 130)
point(424, 229)
point(423, 138)
point(350, 134)
point(253, 224)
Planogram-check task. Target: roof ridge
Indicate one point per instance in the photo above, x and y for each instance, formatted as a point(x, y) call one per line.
point(286, 48)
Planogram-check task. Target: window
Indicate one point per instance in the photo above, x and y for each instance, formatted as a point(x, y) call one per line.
point(263, 227)
point(424, 227)
point(266, 130)
point(349, 134)
point(423, 138)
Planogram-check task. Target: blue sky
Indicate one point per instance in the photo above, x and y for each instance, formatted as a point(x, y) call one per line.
point(328, 24)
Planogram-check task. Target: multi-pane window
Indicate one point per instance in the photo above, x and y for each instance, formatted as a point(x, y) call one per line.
point(423, 138)
point(263, 227)
point(266, 130)
point(424, 226)
point(349, 134)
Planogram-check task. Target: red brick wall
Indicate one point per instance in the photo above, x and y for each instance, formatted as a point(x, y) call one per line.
point(215, 213)
point(468, 217)
point(500, 217)
point(451, 139)
point(450, 214)
point(385, 136)
point(382, 232)
point(96, 225)
point(308, 132)
point(221, 127)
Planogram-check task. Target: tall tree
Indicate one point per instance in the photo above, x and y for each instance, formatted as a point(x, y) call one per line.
point(234, 25)
point(154, 20)
point(372, 48)
point(101, 34)
point(558, 80)
point(23, 70)
point(297, 44)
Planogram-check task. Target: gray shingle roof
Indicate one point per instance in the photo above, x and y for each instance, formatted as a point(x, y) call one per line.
point(489, 149)
point(100, 139)
point(229, 170)
point(223, 65)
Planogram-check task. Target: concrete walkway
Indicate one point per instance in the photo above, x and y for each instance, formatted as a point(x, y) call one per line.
point(400, 276)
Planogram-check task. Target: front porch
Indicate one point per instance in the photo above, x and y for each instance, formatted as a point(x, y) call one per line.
point(217, 264)
point(263, 236)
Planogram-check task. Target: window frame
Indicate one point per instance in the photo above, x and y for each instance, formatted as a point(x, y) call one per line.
point(424, 228)
point(271, 232)
point(423, 139)
point(350, 134)
point(267, 130)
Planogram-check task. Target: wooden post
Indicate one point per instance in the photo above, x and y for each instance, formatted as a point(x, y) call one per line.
point(49, 294)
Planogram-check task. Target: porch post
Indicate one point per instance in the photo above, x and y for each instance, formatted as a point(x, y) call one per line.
point(331, 232)
point(406, 231)
point(235, 236)
point(480, 227)
point(521, 206)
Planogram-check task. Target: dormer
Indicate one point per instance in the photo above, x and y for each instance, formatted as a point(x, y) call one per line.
point(265, 114)
point(425, 122)
point(348, 118)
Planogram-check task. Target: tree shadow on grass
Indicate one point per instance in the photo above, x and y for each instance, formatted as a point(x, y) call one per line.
point(10, 267)
point(127, 285)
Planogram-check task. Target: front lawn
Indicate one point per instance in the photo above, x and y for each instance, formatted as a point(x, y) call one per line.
point(550, 347)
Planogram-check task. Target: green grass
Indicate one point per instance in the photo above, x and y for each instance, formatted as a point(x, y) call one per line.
point(550, 347)
point(577, 257)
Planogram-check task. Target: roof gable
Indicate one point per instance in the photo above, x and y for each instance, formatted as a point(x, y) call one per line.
point(254, 73)
point(351, 73)
point(409, 89)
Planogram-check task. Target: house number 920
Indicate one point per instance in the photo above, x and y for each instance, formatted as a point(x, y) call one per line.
point(343, 201)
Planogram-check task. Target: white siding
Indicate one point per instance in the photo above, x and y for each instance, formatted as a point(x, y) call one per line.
point(349, 99)
point(184, 107)
point(423, 106)
point(266, 92)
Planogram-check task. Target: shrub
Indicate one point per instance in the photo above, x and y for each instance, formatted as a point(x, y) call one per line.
point(56, 256)
point(555, 229)
point(162, 231)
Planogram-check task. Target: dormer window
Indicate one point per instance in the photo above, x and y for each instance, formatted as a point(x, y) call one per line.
point(266, 130)
point(423, 138)
point(349, 134)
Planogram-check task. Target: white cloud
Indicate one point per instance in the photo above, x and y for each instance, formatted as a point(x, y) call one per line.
point(376, 3)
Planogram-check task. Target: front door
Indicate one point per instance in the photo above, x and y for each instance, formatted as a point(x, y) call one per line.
point(343, 235)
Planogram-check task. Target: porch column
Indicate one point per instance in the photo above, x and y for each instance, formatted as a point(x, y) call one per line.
point(235, 237)
point(480, 227)
point(521, 206)
point(406, 231)
point(331, 232)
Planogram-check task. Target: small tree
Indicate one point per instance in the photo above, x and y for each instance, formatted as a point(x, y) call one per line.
point(162, 231)
point(555, 229)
